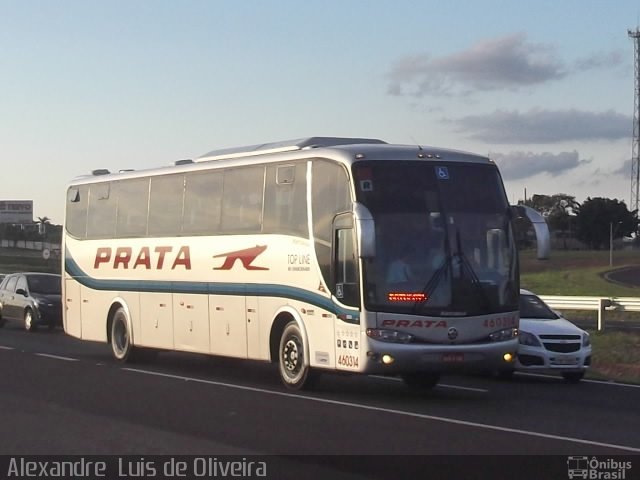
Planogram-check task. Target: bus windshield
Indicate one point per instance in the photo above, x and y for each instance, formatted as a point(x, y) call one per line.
point(444, 243)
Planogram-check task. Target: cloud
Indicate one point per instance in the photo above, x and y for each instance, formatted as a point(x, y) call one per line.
point(546, 126)
point(599, 60)
point(510, 62)
point(519, 165)
point(624, 170)
point(506, 62)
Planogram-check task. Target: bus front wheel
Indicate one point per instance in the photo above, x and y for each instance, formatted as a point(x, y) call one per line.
point(293, 359)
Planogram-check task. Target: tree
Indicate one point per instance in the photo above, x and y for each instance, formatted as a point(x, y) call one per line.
point(558, 209)
point(598, 217)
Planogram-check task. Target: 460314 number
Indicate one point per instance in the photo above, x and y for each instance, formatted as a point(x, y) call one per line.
point(348, 360)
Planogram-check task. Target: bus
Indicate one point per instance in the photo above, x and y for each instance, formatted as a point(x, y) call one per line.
point(320, 254)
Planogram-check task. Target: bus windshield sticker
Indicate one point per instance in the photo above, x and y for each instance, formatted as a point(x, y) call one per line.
point(442, 173)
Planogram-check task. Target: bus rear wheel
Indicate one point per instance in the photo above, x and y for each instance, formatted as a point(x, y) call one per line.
point(121, 346)
point(293, 360)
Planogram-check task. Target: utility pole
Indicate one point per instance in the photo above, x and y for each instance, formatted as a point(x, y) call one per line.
point(635, 145)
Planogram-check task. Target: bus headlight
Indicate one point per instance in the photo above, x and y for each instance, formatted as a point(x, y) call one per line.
point(506, 334)
point(391, 336)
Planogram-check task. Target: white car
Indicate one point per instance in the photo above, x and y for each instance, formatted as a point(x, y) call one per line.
point(549, 343)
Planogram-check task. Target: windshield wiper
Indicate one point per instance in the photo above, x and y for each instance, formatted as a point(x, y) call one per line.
point(465, 265)
point(433, 281)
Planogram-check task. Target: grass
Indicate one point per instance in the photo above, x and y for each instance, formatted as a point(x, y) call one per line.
point(616, 356)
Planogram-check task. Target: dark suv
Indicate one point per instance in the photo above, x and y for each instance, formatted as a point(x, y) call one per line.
point(31, 298)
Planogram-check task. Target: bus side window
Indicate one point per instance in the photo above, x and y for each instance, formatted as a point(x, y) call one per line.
point(330, 196)
point(77, 204)
point(165, 205)
point(285, 200)
point(133, 207)
point(202, 202)
point(102, 211)
point(242, 199)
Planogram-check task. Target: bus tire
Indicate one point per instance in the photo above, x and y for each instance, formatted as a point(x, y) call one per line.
point(121, 346)
point(421, 381)
point(293, 359)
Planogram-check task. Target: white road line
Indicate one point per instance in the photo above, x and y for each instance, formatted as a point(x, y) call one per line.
point(57, 357)
point(459, 387)
point(388, 410)
point(2, 347)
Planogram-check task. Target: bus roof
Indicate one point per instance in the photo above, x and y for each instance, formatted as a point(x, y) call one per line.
point(346, 150)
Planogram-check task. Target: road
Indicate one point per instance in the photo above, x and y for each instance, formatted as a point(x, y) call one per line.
point(61, 396)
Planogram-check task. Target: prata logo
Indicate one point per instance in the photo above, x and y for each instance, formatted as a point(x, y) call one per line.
point(594, 468)
point(246, 257)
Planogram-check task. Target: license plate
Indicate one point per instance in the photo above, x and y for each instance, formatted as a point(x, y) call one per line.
point(565, 361)
point(453, 357)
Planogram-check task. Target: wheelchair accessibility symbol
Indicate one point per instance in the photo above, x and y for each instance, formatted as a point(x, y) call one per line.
point(442, 173)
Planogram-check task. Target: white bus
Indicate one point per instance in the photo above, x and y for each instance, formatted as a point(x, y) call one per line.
point(321, 254)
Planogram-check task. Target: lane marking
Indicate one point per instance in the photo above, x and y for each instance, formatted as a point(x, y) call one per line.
point(443, 385)
point(2, 347)
point(459, 387)
point(387, 410)
point(56, 357)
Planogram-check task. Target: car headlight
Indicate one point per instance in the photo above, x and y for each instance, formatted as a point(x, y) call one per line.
point(502, 335)
point(392, 336)
point(529, 339)
point(586, 340)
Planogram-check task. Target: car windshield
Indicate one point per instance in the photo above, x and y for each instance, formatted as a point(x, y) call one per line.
point(444, 242)
point(44, 284)
point(534, 308)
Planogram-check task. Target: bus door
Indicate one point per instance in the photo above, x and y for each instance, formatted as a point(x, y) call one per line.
point(346, 290)
point(344, 278)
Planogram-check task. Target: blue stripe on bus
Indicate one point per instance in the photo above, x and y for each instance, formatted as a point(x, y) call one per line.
point(208, 288)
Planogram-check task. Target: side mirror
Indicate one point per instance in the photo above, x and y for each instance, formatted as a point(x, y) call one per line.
point(365, 231)
point(21, 291)
point(540, 227)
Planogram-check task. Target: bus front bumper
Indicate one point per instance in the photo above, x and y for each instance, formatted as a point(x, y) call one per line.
point(392, 358)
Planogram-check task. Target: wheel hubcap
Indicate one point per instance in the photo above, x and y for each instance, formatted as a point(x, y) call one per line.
point(291, 356)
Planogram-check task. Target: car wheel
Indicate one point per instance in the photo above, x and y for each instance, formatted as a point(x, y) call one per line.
point(29, 321)
point(572, 377)
point(421, 381)
point(293, 361)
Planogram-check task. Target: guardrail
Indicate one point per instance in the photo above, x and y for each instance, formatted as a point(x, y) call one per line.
point(598, 304)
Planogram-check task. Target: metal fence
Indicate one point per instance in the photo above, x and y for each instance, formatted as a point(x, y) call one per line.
point(598, 304)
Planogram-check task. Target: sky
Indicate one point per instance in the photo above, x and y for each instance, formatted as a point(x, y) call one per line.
point(545, 88)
